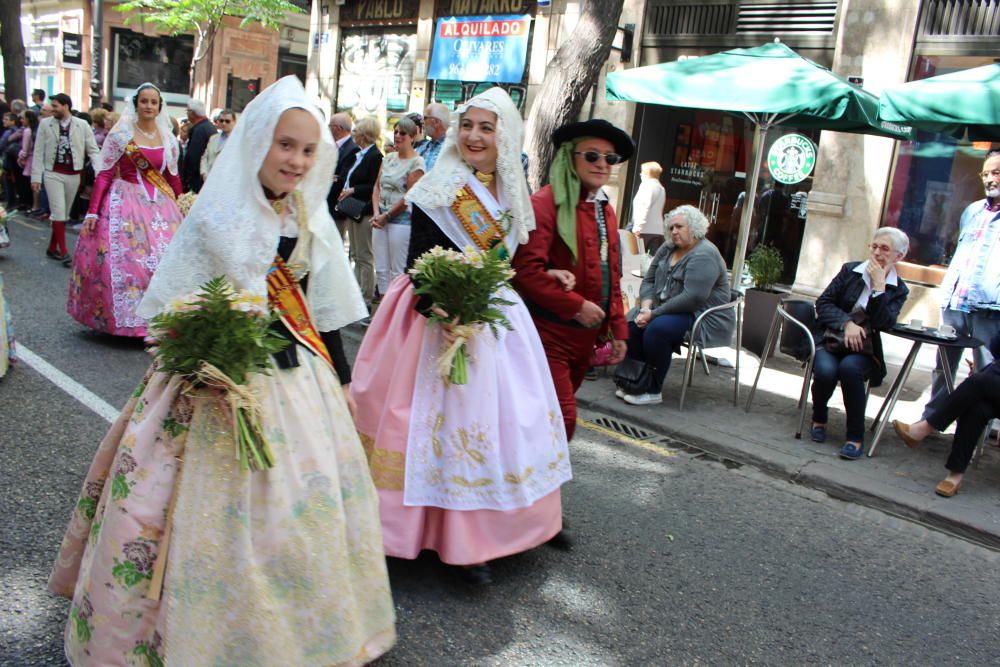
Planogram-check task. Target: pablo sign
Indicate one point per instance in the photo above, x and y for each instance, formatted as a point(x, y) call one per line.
point(480, 48)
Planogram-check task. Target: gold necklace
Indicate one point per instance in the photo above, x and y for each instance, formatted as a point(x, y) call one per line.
point(485, 179)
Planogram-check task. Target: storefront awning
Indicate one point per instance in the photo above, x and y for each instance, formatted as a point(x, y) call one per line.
point(963, 104)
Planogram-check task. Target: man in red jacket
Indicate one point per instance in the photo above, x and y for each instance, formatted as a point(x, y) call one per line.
point(577, 232)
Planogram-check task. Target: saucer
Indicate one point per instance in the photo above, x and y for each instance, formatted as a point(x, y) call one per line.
point(943, 336)
point(919, 329)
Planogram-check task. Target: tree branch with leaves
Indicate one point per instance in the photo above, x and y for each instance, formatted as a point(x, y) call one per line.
point(569, 78)
point(203, 18)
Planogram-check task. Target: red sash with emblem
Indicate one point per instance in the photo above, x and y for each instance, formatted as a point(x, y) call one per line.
point(285, 297)
point(147, 170)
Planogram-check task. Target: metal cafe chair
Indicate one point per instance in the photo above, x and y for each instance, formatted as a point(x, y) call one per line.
point(793, 322)
point(696, 346)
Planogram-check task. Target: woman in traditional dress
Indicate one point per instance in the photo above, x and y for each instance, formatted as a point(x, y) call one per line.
point(133, 215)
point(470, 471)
point(278, 567)
point(8, 351)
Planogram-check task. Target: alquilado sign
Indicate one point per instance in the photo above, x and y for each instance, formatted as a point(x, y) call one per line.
point(791, 158)
point(480, 48)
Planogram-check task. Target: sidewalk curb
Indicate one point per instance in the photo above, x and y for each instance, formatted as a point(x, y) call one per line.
point(834, 480)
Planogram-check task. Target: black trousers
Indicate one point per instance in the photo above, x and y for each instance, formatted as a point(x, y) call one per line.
point(973, 404)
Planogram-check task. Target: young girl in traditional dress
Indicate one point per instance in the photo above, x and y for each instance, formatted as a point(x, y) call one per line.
point(278, 567)
point(470, 471)
point(133, 215)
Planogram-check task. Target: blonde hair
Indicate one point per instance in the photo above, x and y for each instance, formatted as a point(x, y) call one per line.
point(369, 128)
point(653, 169)
point(97, 117)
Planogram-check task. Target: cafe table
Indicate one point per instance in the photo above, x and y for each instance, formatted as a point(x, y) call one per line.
point(918, 336)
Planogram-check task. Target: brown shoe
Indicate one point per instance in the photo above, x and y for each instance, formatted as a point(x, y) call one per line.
point(947, 488)
point(902, 429)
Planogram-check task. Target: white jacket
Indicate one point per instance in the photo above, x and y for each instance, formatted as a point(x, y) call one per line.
point(647, 207)
point(82, 143)
point(212, 150)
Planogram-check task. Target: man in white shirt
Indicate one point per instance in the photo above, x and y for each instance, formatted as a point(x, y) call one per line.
point(647, 207)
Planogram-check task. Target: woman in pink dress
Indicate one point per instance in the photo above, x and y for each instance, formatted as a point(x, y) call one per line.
point(133, 215)
point(472, 472)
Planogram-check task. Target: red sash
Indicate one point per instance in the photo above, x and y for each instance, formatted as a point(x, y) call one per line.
point(147, 170)
point(285, 296)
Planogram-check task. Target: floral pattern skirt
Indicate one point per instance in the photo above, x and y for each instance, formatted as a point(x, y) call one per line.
point(272, 568)
point(116, 257)
point(7, 348)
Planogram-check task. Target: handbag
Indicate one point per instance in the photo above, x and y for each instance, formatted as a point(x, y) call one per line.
point(633, 376)
point(352, 207)
point(833, 339)
point(4, 238)
point(601, 355)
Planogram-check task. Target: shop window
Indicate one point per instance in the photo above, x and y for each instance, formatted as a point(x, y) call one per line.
point(164, 60)
point(934, 178)
point(376, 71)
point(704, 155)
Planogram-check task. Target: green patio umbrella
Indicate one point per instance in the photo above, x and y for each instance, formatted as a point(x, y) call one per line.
point(770, 85)
point(964, 104)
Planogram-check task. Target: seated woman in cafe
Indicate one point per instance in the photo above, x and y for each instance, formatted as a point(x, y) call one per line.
point(863, 299)
point(686, 277)
point(973, 404)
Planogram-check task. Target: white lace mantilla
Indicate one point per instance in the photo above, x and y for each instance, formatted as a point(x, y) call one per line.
point(232, 230)
point(450, 172)
point(124, 130)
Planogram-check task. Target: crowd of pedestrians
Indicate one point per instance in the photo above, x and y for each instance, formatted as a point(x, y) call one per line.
point(390, 457)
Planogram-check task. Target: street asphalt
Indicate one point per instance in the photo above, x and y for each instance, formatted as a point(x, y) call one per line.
point(679, 559)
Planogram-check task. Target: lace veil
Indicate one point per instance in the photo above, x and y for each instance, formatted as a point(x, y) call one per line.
point(232, 229)
point(123, 131)
point(450, 172)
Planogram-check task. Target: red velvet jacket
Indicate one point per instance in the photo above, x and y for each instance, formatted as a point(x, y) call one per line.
point(545, 250)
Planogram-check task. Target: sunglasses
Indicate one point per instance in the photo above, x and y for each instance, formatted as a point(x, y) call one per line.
point(594, 156)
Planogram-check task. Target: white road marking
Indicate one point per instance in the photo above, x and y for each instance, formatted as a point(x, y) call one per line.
point(68, 384)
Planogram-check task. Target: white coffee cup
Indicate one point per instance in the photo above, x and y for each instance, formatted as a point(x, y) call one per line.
point(916, 324)
point(946, 330)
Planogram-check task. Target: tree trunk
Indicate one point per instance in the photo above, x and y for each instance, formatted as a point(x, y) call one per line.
point(12, 50)
point(569, 77)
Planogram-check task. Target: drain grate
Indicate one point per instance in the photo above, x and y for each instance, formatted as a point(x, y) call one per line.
point(636, 433)
point(623, 428)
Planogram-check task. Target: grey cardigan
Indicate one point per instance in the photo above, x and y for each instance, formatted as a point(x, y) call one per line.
point(696, 283)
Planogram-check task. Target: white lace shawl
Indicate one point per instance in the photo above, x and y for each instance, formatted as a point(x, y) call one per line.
point(232, 230)
point(124, 130)
point(439, 186)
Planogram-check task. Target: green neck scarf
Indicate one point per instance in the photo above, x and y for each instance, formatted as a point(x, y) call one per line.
point(566, 192)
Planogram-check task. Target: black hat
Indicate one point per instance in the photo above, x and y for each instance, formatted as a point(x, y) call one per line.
point(598, 128)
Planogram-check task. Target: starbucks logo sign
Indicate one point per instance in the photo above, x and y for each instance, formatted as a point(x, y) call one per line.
point(791, 158)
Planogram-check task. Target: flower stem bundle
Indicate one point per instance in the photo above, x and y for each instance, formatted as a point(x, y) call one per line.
point(467, 286)
point(217, 338)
